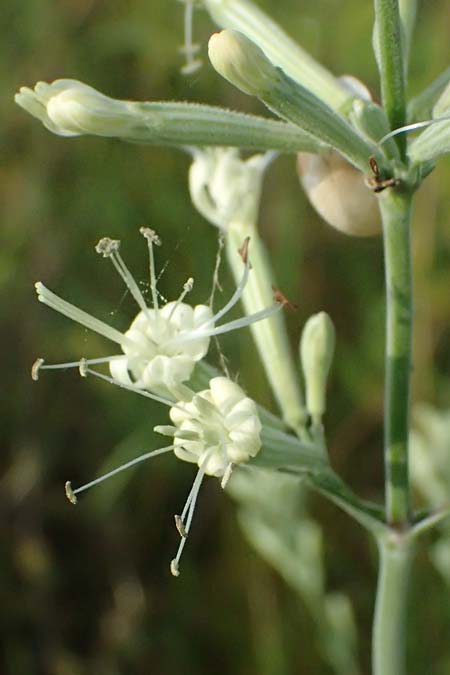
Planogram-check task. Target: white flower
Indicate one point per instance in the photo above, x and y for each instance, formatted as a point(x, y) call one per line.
point(164, 342)
point(218, 429)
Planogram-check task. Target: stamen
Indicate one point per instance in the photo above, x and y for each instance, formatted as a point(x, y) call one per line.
point(109, 248)
point(38, 364)
point(189, 49)
point(227, 475)
point(234, 298)
point(63, 307)
point(279, 297)
point(130, 387)
point(184, 526)
point(199, 333)
point(71, 494)
point(215, 280)
point(152, 238)
point(35, 368)
point(187, 288)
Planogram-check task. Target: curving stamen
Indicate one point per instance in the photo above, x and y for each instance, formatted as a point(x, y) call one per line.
point(413, 127)
point(187, 288)
point(152, 238)
point(184, 521)
point(200, 332)
point(72, 494)
point(234, 298)
point(109, 248)
point(76, 314)
point(130, 387)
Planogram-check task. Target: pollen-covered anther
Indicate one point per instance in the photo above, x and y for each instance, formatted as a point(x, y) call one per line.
point(35, 368)
point(71, 496)
point(83, 368)
point(281, 299)
point(150, 235)
point(243, 251)
point(174, 568)
point(189, 285)
point(107, 247)
point(180, 526)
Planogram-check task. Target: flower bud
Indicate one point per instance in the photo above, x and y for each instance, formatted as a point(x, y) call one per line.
point(339, 194)
point(316, 354)
point(242, 63)
point(71, 108)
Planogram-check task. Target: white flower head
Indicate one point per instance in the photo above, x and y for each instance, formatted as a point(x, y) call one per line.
point(224, 187)
point(218, 429)
point(164, 341)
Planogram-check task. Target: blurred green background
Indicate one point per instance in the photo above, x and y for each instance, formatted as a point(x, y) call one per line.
point(88, 590)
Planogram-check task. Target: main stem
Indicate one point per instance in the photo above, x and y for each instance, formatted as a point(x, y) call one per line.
point(390, 57)
point(390, 610)
point(396, 215)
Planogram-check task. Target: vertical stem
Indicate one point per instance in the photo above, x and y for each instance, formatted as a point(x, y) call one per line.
point(270, 335)
point(388, 649)
point(396, 215)
point(390, 57)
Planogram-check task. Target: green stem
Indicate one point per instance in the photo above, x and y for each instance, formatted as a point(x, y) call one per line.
point(390, 56)
point(390, 610)
point(396, 215)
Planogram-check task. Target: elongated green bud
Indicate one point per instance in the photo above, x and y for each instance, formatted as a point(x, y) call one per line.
point(245, 65)
point(316, 354)
point(71, 108)
point(249, 19)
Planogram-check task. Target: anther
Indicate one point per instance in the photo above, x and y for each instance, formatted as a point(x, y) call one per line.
point(70, 494)
point(180, 527)
point(174, 568)
point(281, 299)
point(189, 285)
point(107, 247)
point(243, 251)
point(35, 368)
point(150, 235)
point(83, 367)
